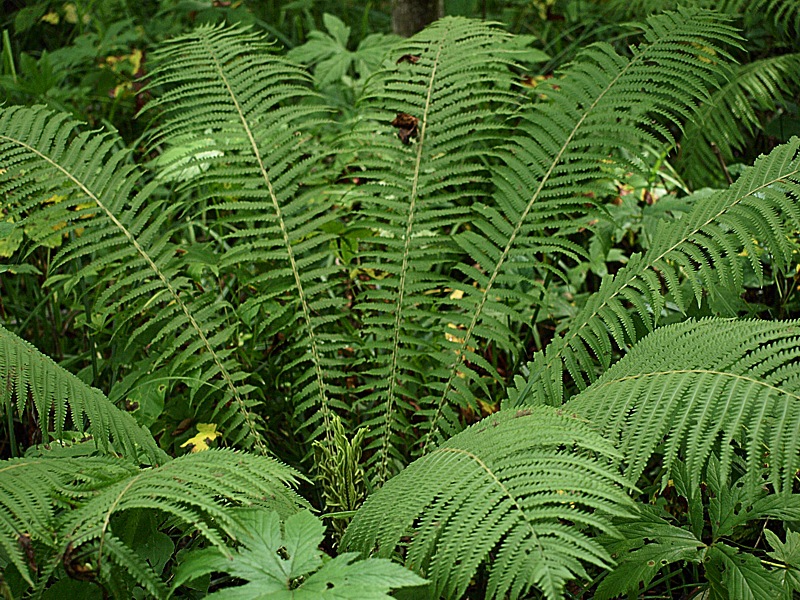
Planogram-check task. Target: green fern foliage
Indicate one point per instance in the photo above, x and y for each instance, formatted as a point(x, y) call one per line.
point(428, 121)
point(32, 490)
point(596, 111)
point(785, 13)
point(504, 487)
point(728, 119)
point(32, 379)
point(750, 222)
point(79, 183)
point(251, 113)
point(71, 507)
point(700, 386)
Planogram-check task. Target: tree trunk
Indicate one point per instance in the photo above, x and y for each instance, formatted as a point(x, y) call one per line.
point(410, 16)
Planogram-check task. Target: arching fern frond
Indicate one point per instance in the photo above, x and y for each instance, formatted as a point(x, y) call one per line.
point(31, 492)
point(71, 505)
point(785, 14)
point(504, 487)
point(423, 136)
point(602, 108)
point(728, 118)
point(253, 113)
point(696, 386)
point(754, 217)
point(54, 394)
point(78, 183)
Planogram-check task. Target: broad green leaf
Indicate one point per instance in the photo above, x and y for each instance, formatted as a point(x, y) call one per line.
point(288, 565)
point(734, 575)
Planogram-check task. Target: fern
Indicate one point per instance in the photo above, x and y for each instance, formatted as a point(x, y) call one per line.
point(253, 112)
point(54, 394)
point(403, 342)
point(85, 188)
point(452, 84)
point(703, 385)
point(754, 216)
point(596, 109)
point(197, 490)
point(785, 14)
point(32, 491)
point(729, 115)
point(504, 487)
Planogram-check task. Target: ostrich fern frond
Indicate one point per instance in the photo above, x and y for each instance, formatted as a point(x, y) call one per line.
point(31, 494)
point(754, 217)
point(599, 109)
point(254, 113)
point(729, 116)
point(79, 183)
point(27, 375)
point(453, 86)
point(70, 505)
point(783, 14)
point(504, 487)
point(700, 385)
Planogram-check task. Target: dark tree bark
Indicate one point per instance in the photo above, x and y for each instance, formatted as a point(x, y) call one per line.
point(410, 16)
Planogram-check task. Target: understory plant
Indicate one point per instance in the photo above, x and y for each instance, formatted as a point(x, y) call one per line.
point(349, 292)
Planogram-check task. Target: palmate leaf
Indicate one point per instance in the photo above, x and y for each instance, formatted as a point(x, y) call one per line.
point(733, 574)
point(754, 217)
point(502, 488)
point(696, 386)
point(428, 123)
point(253, 112)
point(285, 563)
point(651, 538)
point(648, 544)
point(601, 108)
point(79, 183)
point(28, 376)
